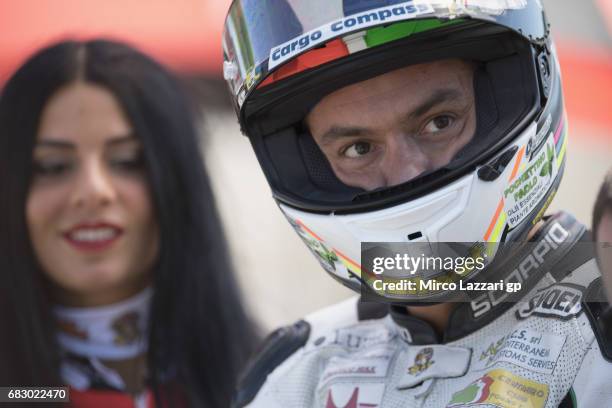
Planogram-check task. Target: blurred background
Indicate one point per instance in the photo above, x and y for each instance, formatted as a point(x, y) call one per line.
point(281, 281)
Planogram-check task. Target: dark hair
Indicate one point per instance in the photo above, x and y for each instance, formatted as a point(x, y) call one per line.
point(603, 203)
point(199, 330)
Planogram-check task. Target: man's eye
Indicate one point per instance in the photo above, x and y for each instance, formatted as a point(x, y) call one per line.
point(51, 168)
point(439, 123)
point(357, 150)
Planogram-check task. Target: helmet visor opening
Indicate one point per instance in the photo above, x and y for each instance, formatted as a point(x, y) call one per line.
point(505, 92)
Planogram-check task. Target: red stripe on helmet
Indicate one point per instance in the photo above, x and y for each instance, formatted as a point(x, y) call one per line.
point(333, 50)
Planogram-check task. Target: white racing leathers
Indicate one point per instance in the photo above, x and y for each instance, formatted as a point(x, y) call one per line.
point(547, 350)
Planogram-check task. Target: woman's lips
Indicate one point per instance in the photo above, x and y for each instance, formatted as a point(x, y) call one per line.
point(93, 237)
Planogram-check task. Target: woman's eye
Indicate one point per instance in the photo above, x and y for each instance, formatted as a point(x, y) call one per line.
point(439, 123)
point(51, 168)
point(357, 150)
point(128, 163)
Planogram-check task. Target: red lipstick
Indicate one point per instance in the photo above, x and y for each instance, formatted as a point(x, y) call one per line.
point(96, 236)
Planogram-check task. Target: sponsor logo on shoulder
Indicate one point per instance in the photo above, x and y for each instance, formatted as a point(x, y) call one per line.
point(422, 361)
point(356, 337)
point(560, 300)
point(501, 388)
point(530, 349)
point(476, 393)
point(373, 364)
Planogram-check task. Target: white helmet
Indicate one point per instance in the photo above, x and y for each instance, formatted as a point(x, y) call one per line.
point(283, 56)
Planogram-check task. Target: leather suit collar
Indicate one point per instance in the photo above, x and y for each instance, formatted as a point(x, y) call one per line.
point(465, 320)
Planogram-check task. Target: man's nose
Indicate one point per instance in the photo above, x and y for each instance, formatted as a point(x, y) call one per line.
point(404, 160)
point(94, 187)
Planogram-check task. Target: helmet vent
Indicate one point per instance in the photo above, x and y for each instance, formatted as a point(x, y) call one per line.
point(415, 235)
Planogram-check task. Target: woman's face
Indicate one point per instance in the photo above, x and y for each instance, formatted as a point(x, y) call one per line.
point(89, 210)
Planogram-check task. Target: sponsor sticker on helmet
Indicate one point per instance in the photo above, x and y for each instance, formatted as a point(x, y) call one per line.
point(501, 388)
point(493, 7)
point(534, 144)
point(331, 259)
point(530, 187)
point(383, 15)
point(326, 256)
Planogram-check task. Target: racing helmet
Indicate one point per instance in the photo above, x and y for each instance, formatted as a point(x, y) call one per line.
point(281, 57)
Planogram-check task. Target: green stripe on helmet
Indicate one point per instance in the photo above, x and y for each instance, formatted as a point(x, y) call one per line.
point(382, 35)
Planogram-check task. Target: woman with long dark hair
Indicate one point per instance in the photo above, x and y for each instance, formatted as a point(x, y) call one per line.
point(114, 269)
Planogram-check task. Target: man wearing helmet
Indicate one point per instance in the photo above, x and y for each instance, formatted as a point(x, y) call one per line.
point(419, 122)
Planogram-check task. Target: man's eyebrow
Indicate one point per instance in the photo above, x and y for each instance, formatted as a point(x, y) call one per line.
point(439, 96)
point(338, 132)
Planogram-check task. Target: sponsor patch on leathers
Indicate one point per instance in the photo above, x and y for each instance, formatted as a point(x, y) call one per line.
point(373, 364)
point(561, 301)
point(501, 388)
point(530, 349)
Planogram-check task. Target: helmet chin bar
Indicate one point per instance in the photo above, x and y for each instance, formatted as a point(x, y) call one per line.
point(500, 268)
point(301, 176)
